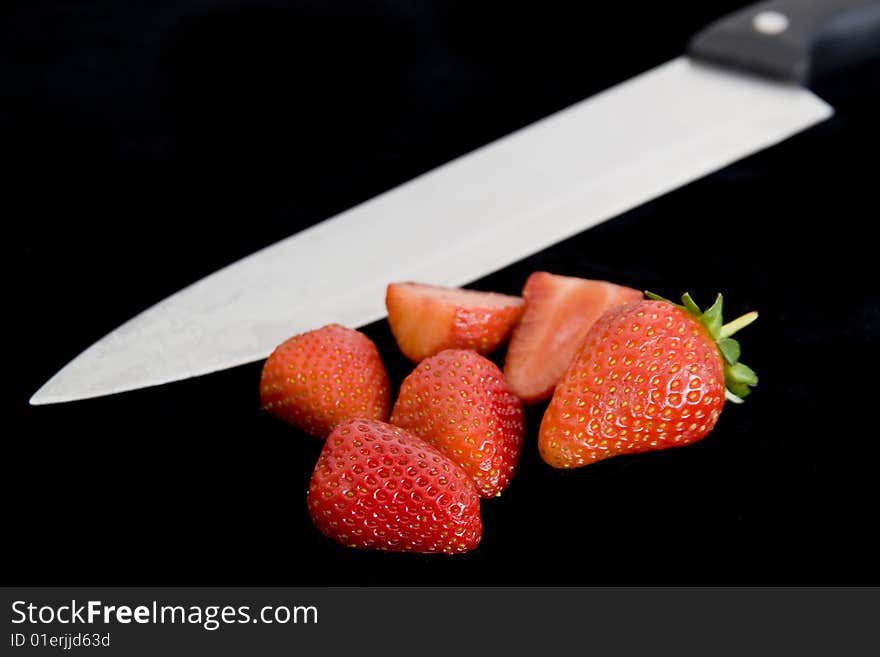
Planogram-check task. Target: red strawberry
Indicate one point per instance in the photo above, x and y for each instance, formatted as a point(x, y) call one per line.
point(426, 319)
point(559, 312)
point(649, 375)
point(459, 402)
point(317, 379)
point(378, 486)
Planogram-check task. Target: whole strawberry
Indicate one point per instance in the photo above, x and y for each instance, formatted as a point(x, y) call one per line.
point(378, 486)
point(459, 402)
point(649, 375)
point(317, 379)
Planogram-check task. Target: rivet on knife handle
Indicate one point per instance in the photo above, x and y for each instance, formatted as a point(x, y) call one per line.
point(792, 39)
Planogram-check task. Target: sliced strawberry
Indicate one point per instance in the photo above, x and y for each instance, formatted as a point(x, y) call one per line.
point(459, 402)
point(317, 379)
point(378, 486)
point(426, 319)
point(559, 312)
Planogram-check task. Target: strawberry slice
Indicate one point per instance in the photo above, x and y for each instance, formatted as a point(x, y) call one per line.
point(559, 312)
point(377, 486)
point(426, 319)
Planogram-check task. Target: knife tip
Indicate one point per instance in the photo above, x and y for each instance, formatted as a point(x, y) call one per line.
point(54, 391)
point(42, 397)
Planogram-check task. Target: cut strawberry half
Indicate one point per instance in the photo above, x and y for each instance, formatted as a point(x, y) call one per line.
point(559, 311)
point(426, 319)
point(319, 378)
point(459, 402)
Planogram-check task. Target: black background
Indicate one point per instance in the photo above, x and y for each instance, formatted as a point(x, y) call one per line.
point(149, 145)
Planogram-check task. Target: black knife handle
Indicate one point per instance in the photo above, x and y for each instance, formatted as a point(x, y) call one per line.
point(794, 40)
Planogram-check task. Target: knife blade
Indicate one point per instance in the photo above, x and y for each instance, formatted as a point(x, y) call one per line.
point(739, 89)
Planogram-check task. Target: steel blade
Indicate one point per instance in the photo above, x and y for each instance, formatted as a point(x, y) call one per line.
point(461, 221)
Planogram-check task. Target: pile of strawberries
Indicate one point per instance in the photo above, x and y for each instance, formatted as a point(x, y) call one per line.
point(625, 374)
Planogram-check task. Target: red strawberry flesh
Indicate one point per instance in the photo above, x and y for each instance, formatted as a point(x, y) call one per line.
point(425, 319)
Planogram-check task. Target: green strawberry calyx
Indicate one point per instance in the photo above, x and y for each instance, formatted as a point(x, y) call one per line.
point(739, 378)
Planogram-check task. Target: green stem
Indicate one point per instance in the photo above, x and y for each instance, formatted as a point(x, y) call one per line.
point(737, 324)
point(732, 397)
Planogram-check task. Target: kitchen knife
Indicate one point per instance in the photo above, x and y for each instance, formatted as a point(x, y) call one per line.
point(739, 89)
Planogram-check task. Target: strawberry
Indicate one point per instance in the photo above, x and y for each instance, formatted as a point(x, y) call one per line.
point(378, 486)
point(559, 312)
point(650, 375)
point(459, 402)
point(426, 319)
point(317, 379)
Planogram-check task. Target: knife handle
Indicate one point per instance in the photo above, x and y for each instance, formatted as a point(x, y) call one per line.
point(793, 40)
